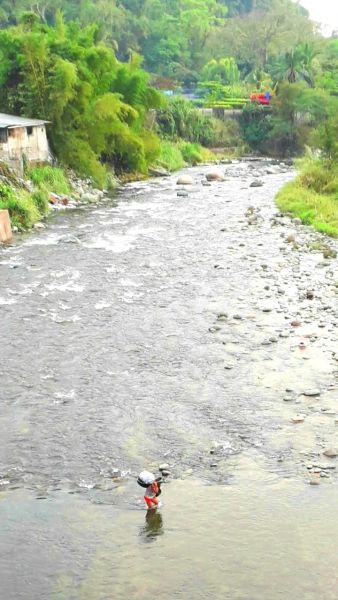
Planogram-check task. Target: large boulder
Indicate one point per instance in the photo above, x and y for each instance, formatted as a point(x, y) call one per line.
point(185, 180)
point(215, 176)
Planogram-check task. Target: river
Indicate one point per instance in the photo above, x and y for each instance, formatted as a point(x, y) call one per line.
point(155, 329)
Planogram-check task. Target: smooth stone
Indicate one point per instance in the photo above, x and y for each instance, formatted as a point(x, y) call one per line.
point(182, 194)
point(314, 481)
point(311, 393)
point(267, 308)
point(185, 180)
point(163, 467)
point(257, 183)
point(331, 453)
point(295, 323)
point(298, 419)
point(215, 176)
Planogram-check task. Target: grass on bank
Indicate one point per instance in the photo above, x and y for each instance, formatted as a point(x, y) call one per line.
point(176, 155)
point(26, 208)
point(20, 205)
point(52, 179)
point(313, 196)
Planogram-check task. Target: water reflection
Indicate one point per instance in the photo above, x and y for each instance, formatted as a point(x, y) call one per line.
point(153, 527)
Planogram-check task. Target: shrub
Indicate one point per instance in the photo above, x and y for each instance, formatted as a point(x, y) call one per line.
point(22, 211)
point(52, 178)
point(191, 153)
point(151, 147)
point(255, 125)
point(78, 154)
point(181, 120)
point(170, 156)
point(41, 200)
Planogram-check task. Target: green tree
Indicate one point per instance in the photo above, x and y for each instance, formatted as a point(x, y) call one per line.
point(224, 70)
point(96, 105)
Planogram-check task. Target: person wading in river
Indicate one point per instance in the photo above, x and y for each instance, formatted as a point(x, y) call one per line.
point(153, 488)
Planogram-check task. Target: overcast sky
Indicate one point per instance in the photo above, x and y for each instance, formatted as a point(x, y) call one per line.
point(323, 11)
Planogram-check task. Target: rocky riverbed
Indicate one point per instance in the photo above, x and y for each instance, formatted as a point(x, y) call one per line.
point(189, 324)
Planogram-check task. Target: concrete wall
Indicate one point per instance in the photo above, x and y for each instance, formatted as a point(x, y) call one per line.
point(5, 226)
point(31, 142)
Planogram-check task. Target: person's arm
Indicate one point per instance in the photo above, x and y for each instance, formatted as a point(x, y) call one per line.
point(154, 487)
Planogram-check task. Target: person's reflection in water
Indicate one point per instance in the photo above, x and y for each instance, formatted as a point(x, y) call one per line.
point(153, 527)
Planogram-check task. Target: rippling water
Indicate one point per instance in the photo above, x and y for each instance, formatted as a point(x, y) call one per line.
point(113, 359)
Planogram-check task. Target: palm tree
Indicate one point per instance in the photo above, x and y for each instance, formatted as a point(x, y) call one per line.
point(295, 65)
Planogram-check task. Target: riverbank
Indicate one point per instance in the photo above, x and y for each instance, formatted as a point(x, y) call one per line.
point(312, 196)
point(46, 188)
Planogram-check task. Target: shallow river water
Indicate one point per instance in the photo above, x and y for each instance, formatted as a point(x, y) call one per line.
point(154, 329)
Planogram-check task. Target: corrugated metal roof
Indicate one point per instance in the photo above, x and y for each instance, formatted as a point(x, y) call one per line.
point(10, 121)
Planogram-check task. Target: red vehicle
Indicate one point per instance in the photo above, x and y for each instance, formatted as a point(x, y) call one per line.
point(264, 99)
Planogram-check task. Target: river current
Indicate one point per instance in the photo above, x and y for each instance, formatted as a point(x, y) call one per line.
point(155, 329)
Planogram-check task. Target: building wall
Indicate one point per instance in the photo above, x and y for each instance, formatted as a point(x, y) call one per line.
point(29, 141)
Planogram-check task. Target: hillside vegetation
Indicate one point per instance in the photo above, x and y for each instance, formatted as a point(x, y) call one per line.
point(97, 70)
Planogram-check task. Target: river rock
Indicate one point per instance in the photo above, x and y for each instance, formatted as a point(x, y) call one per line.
point(163, 467)
point(158, 172)
point(165, 472)
point(298, 419)
point(312, 393)
point(53, 199)
point(215, 176)
point(295, 323)
point(329, 253)
point(185, 180)
point(310, 295)
point(314, 481)
point(89, 197)
point(256, 183)
point(266, 308)
point(290, 238)
point(39, 226)
point(331, 453)
point(182, 194)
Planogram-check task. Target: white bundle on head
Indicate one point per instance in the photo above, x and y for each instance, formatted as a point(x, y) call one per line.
point(147, 477)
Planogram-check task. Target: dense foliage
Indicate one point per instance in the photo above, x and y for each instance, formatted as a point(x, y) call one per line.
point(76, 63)
point(178, 37)
point(97, 106)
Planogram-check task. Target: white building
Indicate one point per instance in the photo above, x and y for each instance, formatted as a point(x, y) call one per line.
point(23, 139)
